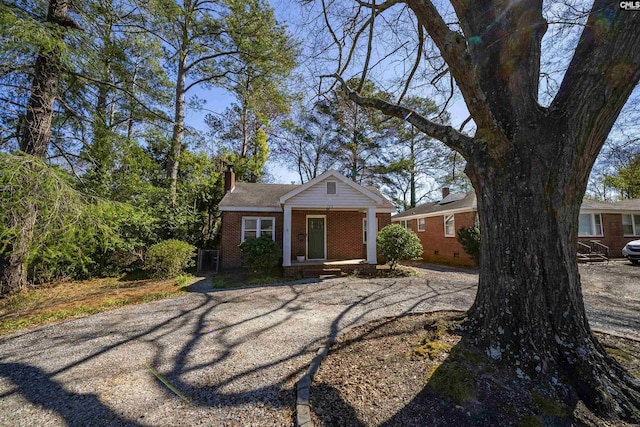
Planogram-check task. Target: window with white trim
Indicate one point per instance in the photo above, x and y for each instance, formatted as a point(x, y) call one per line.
point(631, 225)
point(253, 227)
point(406, 224)
point(589, 225)
point(449, 226)
point(364, 229)
point(332, 187)
point(422, 224)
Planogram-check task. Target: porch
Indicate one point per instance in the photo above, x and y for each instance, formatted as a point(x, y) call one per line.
point(330, 234)
point(320, 268)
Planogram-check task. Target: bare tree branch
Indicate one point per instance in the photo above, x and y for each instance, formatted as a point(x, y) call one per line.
point(448, 135)
point(365, 68)
point(452, 46)
point(415, 64)
point(603, 71)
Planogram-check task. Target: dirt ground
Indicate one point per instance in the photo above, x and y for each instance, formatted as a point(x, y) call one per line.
point(387, 373)
point(393, 372)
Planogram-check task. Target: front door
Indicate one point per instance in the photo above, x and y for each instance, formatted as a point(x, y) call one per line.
point(316, 235)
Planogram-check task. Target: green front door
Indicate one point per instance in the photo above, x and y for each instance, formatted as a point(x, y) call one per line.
point(315, 231)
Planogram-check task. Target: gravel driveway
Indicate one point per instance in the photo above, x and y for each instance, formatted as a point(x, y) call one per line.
point(235, 355)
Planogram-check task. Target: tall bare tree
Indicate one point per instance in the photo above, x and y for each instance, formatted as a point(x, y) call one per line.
point(529, 164)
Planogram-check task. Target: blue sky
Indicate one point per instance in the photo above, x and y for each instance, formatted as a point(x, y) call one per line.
point(217, 100)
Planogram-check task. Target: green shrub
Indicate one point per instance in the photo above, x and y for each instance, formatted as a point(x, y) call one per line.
point(169, 258)
point(395, 243)
point(262, 254)
point(469, 238)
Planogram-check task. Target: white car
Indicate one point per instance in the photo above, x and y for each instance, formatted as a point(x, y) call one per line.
point(631, 251)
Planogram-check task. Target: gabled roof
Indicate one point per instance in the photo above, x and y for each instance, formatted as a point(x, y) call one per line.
point(457, 202)
point(270, 197)
point(338, 176)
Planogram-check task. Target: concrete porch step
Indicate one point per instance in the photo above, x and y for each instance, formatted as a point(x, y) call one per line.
point(592, 257)
point(325, 272)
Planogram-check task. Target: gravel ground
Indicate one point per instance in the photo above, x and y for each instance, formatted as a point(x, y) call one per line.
point(235, 355)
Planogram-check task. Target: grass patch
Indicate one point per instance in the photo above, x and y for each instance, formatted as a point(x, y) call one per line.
point(184, 280)
point(263, 280)
point(240, 277)
point(21, 300)
point(67, 300)
point(219, 282)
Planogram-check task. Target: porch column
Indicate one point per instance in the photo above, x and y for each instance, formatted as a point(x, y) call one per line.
point(371, 236)
point(286, 237)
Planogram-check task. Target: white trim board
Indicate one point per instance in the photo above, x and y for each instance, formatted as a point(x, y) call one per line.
point(338, 176)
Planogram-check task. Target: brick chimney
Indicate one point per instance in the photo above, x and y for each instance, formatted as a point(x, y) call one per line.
point(229, 179)
point(445, 192)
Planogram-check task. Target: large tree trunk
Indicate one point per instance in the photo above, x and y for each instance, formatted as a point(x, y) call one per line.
point(35, 136)
point(36, 132)
point(529, 310)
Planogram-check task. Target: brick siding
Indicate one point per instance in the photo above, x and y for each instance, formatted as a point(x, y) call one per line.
point(614, 237)
point(441, 249)
point(433, 239)
point(231, 235)
point(344, 232)
point(343, 228)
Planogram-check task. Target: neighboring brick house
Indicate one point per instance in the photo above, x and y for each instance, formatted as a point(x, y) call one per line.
point(325, 219)
point(437, 224)
point(612, 224)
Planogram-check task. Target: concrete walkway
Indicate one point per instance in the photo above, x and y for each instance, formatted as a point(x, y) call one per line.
point(233, 355)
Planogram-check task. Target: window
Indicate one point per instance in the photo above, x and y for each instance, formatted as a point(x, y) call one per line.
point(589, 225)
point(253, 227)
point(631, 225)
point(364, 229)
point(449, 226)
point(421, 224)
point(406, 224)
point(332, 187)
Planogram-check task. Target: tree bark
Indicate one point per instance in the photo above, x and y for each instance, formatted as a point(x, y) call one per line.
point(15, 275)
point(529, 310)
point(178, 128)
point(36, 132)
point(35, 136)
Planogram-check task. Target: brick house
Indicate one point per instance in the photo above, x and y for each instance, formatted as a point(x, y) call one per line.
point(328, 219)
point(604, 227)
point(437, 224)
point(612, 224)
